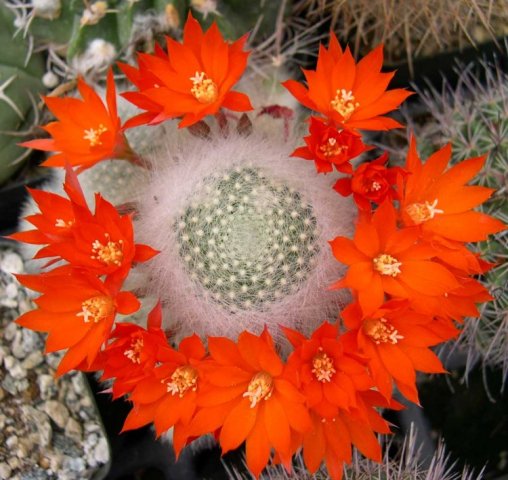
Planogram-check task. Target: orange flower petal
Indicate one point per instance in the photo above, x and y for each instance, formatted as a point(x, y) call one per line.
point(237, 425)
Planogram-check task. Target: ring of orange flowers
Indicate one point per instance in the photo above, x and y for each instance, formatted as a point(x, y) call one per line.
point(409, 271)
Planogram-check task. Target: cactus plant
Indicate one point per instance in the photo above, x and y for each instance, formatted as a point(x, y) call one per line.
point(67, 28)
point(20, 81)
point(414, 28)
point(240, 230)
point(242, 241)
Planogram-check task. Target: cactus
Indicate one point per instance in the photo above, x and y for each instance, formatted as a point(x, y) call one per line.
point(20, 81)
point(243, 236)
point(71, 25)
point(414, 28)
point(241, 230)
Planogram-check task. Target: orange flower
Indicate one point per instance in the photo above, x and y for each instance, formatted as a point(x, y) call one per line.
point(383, 259)
point(352, 95)
point(55, 222)
point(329, 147)
point(102, 243)
point(168, 397)
point(395, 339)
point(330, 439)
point(193, 80)
point(78, 311)
point(132, 355)
point(250, 398)
point(371, 182)
point(87, 131)
point(329, 376)
point(440, 202)
point(458, 303)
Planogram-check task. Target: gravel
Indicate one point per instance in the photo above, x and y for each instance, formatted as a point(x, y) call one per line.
point(49, 428)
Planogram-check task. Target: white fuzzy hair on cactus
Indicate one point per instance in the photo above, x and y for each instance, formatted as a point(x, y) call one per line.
point(213, 208)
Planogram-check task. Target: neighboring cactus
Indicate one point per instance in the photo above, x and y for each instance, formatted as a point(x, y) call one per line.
point(20, 81)
point(412, 29)
point(68, 28)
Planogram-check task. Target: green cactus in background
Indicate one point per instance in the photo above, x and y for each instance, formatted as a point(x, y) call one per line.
point(20, 81)
point(76, 23)
point(411, 29)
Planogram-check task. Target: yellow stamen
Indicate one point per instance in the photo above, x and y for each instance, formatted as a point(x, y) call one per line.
point(110, 253)
point(344, 103)
point(322, 366)
point(421, 212)
point(387, 265)
point(375, 186)
point(96, 309)
point(331, 148)
point(381, 331)
point(60, 223)
point(134, 353)
point(184, 378)
point(204, 89)
point(94, 135)
point(260, 387)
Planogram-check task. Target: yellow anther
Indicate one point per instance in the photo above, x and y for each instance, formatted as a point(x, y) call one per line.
point(96, 309)
point(93, 135)
point(344, 103)
point(109, 253)
point(332, 148)
point(381, 331)
point(322, 367)
point(204, 89)
point(421, 212)
point(184, 378)
point(134, 353)
point(387, 265)
point(260, 387)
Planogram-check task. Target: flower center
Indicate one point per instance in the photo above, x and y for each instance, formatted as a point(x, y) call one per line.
point(61, 223)
point(183, 378)
point(93, 135)
point(381, 331)
point(134, 353)
point(110, 253)
point(375, 187)
point(322, 366)
point(344, 103)
point(260, 386)
point(421, 212)
point(96, 309)
point(204, 89)
point(331, 148)
point(387, 265)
